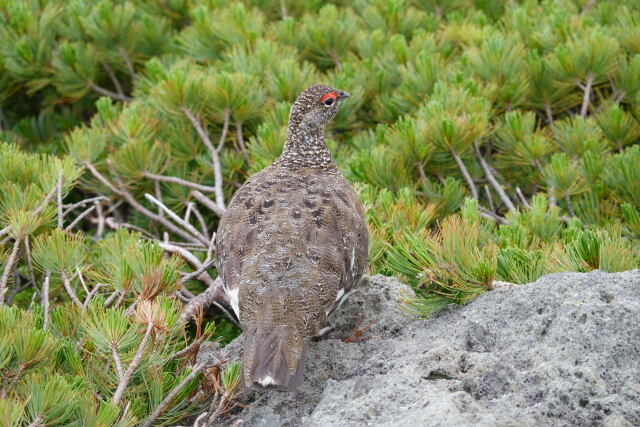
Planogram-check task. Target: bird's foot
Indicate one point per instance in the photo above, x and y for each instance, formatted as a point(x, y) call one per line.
point(324, 332)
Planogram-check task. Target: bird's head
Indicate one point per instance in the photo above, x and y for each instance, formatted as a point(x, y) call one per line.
point(316, 106)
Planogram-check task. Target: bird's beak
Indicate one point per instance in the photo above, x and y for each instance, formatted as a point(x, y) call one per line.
point(344, 94)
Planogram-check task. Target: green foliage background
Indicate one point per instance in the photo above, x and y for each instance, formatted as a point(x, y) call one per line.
point(490, 140)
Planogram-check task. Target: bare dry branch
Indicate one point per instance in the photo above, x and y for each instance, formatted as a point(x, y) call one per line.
point(217, 168)
point(91, 294)
point(180, 181)
point(200, 218)
point(522, 198)
point(190, 228)
point(137, 206)
point(80, 217)
point(71, 207)
point(207, 203)
point(484, 212)
point(111, 298)
point(113, 224)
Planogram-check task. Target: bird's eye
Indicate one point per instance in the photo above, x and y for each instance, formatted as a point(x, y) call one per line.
point(329, 98)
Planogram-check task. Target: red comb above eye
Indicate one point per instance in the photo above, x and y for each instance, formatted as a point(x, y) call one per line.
point(329, 95)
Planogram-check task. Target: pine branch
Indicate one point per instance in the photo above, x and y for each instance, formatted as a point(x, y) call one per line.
point(111, 298)
point(484, 212)
point(465, 174)
point(522, 198)
point(66, 282)
point(204, 267)
point(60, 217)
point(587, 95)
point(190, 228)
point(200, 218)
point(188, 349)
point(27, 252)
point(117, 361)
point(70, 208)
point(217, 168)
point(172, 394)
point(113, 78)
point(204, 277)
point(45, 300)
point(225, 129)
point(243, 148)
point(548, 113)
point(492, 207)
point(91, 294)
point(8, 268)
point(36, 212)
point(102, 178)
point(37, 422)
point(106, 92)
point(127, 62)
point(207, 203)
point(493, 181)
point(79, 218)
point(114, 225)
point(126, 377)
point(137, 206)
point(101, 220)
point(180, 181)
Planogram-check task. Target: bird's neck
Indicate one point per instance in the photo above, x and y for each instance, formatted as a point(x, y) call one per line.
point(305, 147)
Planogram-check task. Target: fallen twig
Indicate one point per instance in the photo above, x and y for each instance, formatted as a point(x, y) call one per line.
point(356, 334)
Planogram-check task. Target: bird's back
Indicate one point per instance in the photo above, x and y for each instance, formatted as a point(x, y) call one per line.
point(292, 243)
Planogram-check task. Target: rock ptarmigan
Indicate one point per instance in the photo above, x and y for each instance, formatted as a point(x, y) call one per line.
point(291, 246)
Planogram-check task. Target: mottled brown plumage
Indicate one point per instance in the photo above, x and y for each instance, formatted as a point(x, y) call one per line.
point(291, 245)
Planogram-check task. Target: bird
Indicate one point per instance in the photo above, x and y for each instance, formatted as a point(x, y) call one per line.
point(291, 246)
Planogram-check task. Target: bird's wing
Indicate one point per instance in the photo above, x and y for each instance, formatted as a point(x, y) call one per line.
point(297, 243)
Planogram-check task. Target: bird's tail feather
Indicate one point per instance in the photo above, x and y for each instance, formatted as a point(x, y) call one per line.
point(274, 359)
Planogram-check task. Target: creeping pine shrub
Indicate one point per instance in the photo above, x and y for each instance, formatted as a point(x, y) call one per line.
point(488, 140)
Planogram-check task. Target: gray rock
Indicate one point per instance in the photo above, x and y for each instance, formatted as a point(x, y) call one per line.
point(562, 351)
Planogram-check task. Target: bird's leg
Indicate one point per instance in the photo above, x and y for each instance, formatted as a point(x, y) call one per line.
point(323, 332)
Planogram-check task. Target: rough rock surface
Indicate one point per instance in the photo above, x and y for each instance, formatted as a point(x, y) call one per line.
point(562, 351)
